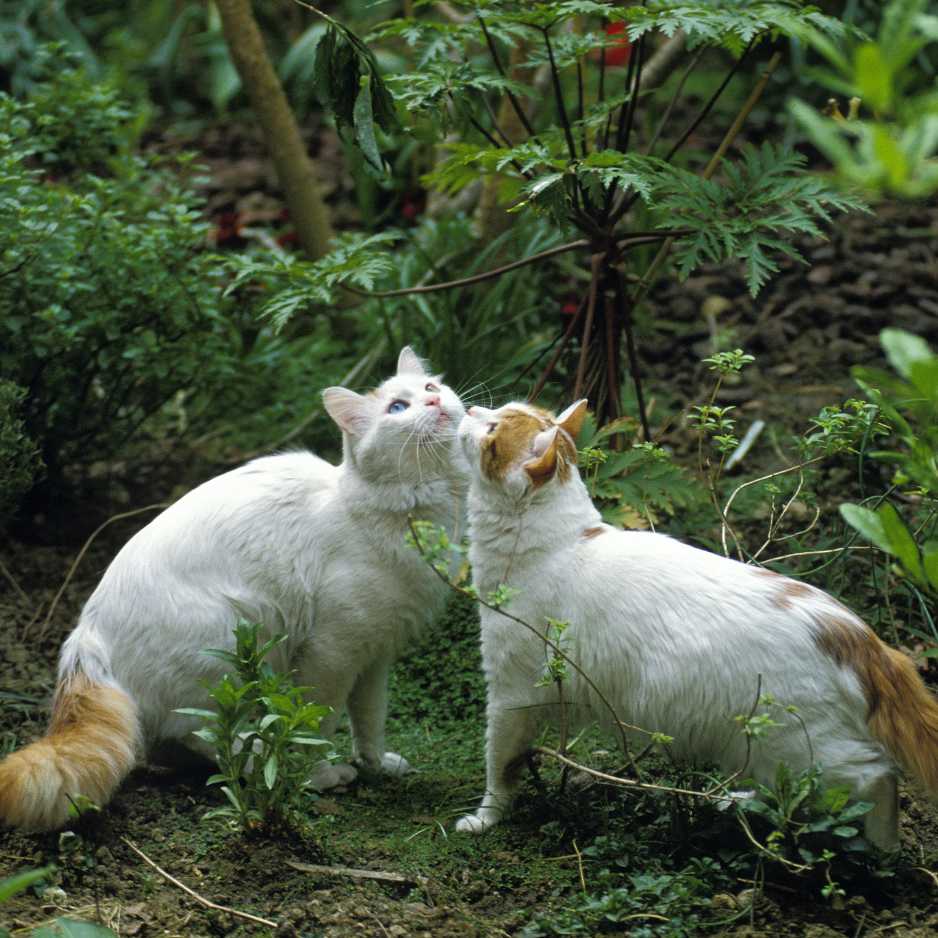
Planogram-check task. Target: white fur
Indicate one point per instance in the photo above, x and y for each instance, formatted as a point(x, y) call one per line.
point(680, 640)
point(306, 548)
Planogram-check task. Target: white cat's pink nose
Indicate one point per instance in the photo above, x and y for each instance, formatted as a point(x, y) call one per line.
point(473, 411)
point(433, 400)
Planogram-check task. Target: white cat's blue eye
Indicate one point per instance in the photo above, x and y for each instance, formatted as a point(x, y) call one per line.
point(397, 407)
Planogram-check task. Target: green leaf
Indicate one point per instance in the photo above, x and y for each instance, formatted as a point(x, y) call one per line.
point(868, 523)
point(363, 119)
point(901, 542)
point(930, 562)
point(873, 76)
point(270, 771)
point(903, 349)
point(845, 830)
point(17, 883)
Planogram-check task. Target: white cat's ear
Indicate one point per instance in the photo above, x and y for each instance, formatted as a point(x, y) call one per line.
point(352, 412)
point(542, 468)
point(571, 420)
point(408, 362)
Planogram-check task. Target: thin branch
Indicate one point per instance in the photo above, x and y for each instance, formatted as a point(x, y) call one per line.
point(695, 60)
point(475, 278)
point(81, 554)
point(558, 94)
point(13, 582)
point(625, 312)
point(546, 373)
point(813, 553)
point(595, 266)
point(519, 110)
point(200, 899)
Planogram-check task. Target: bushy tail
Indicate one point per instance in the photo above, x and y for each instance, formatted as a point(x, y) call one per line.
point(90, 746)
point(904, 715)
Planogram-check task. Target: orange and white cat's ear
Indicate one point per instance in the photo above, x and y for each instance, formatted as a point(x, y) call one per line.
point(571, 420)
point(543, 467)
point(352, 412)
point(409, 363)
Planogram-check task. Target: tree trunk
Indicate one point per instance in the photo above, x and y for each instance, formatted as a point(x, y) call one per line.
point(293, 166)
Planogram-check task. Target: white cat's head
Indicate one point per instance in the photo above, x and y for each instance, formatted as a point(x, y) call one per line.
point(403, 430)
point(520, 448)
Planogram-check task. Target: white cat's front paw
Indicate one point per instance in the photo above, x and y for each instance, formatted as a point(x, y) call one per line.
point(331, 775)
point(393, 764)
point(476, 823)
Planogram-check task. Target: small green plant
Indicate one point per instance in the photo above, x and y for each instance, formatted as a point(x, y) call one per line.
point(909, 402)
point(19, 457)
point(264, 732)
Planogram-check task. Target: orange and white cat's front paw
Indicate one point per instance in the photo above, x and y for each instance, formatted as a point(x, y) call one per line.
point(479, 822)
point(331, 775)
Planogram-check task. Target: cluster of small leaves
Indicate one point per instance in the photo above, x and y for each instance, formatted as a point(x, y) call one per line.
point(264, 731)
point(729, 363)
point(745, 215)
point(849, 428)
point(555, 667)
point(434, 545)
point(909, 402)
point(712, 420)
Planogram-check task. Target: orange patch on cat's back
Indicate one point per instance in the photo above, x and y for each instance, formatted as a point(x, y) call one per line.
point(589, 533)
point(787, 592)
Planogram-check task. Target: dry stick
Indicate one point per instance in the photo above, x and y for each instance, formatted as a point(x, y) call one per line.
point(493, 51)
point(351, 872)
point(200, 899)
point(744, 485)
point(77, 561)
point(546, 373)
point(625, 314)
point(12, 580)
point(595, 264)
point(710, 169)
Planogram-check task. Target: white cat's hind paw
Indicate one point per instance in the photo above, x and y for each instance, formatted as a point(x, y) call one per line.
point(331, 775)
point(476, 823)
point(393, 764)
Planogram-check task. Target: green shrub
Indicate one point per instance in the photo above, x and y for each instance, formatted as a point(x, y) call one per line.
point(19, 458)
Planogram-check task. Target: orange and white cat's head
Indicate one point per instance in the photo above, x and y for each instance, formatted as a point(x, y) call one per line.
point(404, 429)
point(520, 448)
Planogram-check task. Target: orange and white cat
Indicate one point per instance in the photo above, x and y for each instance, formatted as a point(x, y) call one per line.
point(303, 547)
point(678, 639)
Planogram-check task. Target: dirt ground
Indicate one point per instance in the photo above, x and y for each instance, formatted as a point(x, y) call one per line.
point(806, 330)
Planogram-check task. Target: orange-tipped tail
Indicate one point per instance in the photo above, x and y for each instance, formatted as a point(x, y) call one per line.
point(90, 746)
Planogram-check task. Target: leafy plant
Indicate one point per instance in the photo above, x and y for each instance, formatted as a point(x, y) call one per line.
point(893, 150)
point(263, 731)
point(909, 401)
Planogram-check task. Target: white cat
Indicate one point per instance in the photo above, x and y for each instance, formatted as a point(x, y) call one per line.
point(306, 548)
point(678, 639)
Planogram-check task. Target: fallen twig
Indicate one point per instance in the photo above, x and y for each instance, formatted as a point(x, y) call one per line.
point(12, 580)
point(200, 899)
point(352, 873)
